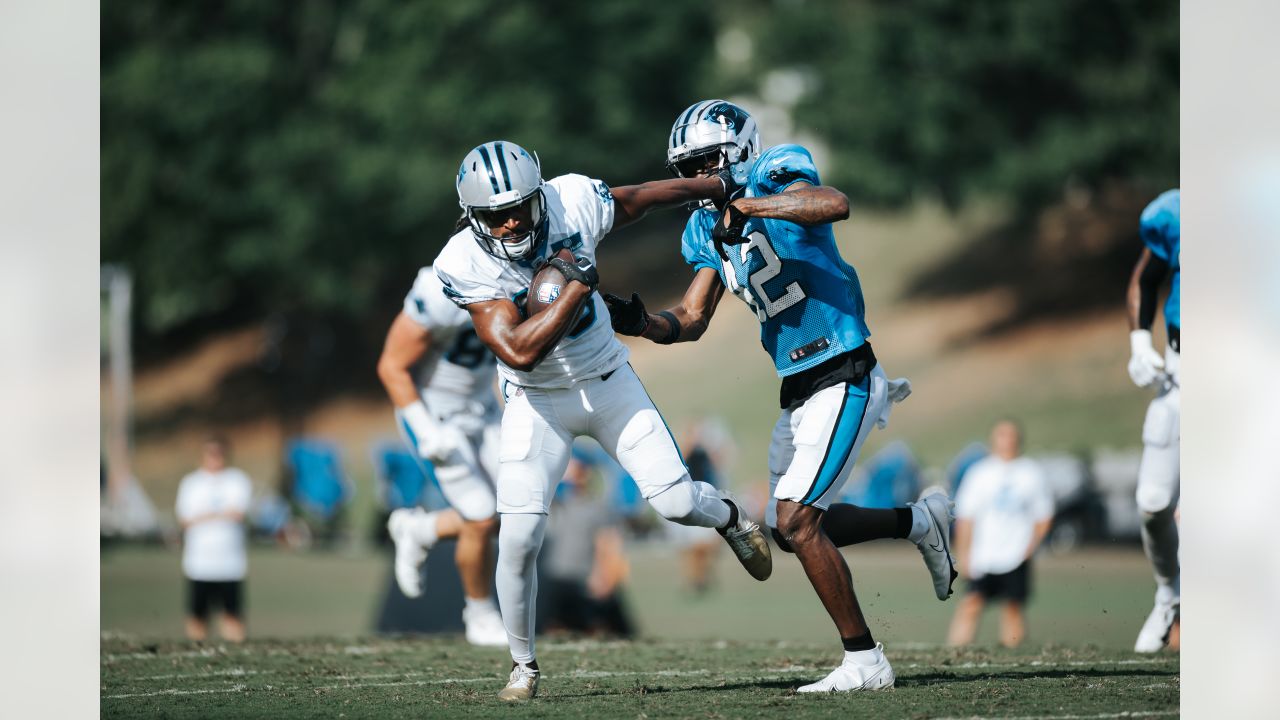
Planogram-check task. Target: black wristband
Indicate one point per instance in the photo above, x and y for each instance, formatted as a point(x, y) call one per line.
point(673, 332)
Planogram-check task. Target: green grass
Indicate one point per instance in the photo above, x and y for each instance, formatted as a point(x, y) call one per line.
point(737, 651)
point(395, 678)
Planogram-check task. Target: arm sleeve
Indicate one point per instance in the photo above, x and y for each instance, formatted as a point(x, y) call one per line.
point(185, 508)
point(967, 497)
point(695, 244)
point(781, 167)
point(1042, 499)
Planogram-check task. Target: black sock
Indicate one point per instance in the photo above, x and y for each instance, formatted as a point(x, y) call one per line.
point(532, 665)
point(903, 529)
point(733, 517)
point(862, 642)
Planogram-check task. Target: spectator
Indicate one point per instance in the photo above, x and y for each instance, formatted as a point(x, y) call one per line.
point(211, 507)
point(1003, 511)
point(582, 561)
point(709, 449)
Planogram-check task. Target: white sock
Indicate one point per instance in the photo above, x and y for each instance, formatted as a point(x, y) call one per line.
point(424, 530)
point(862, 657)
point(919, 524)
point(516, 580)
point(480, 606)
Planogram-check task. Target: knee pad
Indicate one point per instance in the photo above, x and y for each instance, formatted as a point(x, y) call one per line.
point(675, 503)
point(1154, 498)
point(781, 541)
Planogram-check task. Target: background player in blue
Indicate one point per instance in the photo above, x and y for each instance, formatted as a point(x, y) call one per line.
point(770, 243)
point(1158, 475)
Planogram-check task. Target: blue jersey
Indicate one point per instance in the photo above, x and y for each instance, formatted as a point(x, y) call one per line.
point(1161, 233)
point(807, 298)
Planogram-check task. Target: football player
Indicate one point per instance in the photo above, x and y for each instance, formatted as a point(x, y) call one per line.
point(440, 377)
point(562, 371)
point(1159, 472)
point(770, 243)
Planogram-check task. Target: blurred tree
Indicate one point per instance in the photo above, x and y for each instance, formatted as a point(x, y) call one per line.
point(956, 99)
point(299, 157)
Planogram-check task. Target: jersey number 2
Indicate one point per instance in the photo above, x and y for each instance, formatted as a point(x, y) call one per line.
point(755, 296)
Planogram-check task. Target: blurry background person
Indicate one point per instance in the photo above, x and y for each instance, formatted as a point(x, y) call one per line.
point(708, 450)
point(583, 565)
point(212, 502)
point(1159, 475)
point(1003, 511)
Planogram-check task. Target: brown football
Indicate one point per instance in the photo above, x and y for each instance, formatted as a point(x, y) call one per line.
point(546, 286)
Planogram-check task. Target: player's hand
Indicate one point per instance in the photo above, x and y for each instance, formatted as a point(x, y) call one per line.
point(581, 270)
point(728, 229)
point(1145, 364)
point(438, 446)
point(729, 185)
point(628, 317)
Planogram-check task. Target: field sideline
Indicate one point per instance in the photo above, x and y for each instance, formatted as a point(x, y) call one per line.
point(393, 678)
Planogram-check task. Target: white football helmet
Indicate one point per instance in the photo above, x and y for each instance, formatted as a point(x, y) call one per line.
point(713, 135)
point(494, 180)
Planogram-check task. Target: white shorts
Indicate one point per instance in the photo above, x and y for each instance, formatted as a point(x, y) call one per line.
point(466, 480)
point(1160, 470)
point(539, 425)
point(815, 445)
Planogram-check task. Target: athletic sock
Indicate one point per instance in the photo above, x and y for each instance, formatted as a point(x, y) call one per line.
point(424, 531)
point(480, 605)
point(733, 518)
point(906, 521)
point(859, 643)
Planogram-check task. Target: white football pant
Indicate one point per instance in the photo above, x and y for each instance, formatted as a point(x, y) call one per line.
point(1159, 474)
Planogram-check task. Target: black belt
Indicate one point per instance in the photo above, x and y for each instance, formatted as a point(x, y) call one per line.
point(1175, 338)
point(851, 367)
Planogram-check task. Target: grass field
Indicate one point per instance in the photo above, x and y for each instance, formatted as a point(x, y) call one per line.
point(738, 651)
point(401, 678)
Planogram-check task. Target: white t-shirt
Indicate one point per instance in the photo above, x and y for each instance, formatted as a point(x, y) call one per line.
point(457, 369)
point(580, 213)
point(1004, 500)
point(214, 550)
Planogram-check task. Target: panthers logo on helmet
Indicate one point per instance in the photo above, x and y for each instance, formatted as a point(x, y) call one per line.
point(733, 115)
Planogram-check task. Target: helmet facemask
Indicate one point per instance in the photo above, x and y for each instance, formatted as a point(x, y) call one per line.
point(485, 222)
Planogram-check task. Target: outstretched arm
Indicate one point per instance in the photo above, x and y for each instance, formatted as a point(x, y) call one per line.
point(523, 344)
point(633, 201)
point(685, 322)
point(801, 203)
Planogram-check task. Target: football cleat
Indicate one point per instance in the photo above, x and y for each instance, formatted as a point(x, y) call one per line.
point(935, 546)
point(411, 555)
point(484, 627)
point(522, 685)
point(852, 677)
point(1156, 630)
point(748, 543)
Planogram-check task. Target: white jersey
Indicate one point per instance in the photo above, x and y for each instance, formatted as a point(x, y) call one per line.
point(456, 366)
point(580, 213)
point(1004, 499)
point(214, 550)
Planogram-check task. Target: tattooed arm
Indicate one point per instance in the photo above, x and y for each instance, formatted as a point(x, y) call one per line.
point(801, 203)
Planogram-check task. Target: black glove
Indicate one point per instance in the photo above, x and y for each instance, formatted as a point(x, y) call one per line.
point(581, 270)
point(732, 189)
point(628, 317)
point(731, 235)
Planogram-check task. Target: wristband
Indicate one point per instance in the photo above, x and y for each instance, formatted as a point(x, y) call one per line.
point(673, 332)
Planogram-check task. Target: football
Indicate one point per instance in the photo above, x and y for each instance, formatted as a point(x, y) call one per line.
point(546, 286)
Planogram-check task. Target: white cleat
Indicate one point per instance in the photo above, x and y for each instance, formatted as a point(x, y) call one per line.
point(935, 546)
point(1155, 631)
point(851, 677)
point(485, 628)
point(411, 555)
point(748, 544)
point(522, 685)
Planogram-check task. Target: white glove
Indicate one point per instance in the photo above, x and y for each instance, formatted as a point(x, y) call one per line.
point(1145, 364)
point(896, 391)
point(434, 441)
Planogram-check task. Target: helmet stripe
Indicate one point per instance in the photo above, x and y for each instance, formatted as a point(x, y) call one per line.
point(700, 109)
point(682, 123)
point(488, 165)
point(502, 164)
